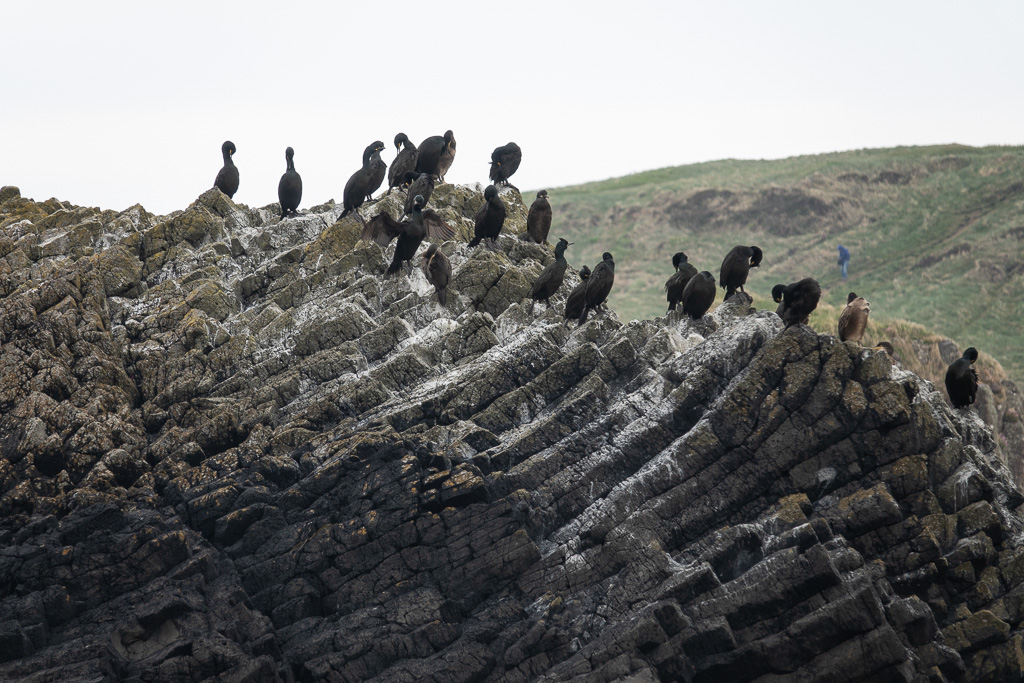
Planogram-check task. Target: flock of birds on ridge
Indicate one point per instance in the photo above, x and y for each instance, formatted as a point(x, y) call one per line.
point(417, 169)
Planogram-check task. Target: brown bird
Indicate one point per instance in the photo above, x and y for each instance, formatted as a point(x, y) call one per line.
point(538, 221)
point(854, 318)
point(438, 270)
point(447, 156)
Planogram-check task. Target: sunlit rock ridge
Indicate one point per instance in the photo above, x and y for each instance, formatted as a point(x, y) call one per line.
point(230, 450)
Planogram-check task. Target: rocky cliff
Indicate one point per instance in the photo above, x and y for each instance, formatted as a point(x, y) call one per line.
point(231, 450)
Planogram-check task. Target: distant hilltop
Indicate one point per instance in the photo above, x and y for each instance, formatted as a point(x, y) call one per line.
point(935, 233)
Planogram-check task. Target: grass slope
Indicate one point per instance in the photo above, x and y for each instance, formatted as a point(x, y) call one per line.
point(936, 233)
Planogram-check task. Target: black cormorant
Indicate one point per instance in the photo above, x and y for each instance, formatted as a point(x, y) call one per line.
point(438, 270)
point(538, 221)
point(227, 177)
point(550, 279)
point(735, 266)
point(366, 180)
point(854, 318)
point(422, 185)
point(382, 228)
point(435, 155)
point(574, 302)
point(489, 218)
point(403, 163)
point(504, 162)
point(777, 292)
point(698, 295)
point(799, 299)
point(962, 380)
point(289, 190)
point(599, 284)
point(677, 283)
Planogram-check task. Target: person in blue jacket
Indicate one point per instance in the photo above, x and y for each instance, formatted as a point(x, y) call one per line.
point(844, 259)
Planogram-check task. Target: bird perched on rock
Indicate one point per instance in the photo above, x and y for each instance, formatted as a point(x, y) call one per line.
point(423, 185)
point(504, 162)
point(227, 177)
point(574, 302)
point(777, 291)
point(438, 271)
point(447, 156)
point(289, 190)
point(435, 155)
point(404, 162)
point(366, 180)
point(489, 218)
point(798, 300)
point(735, 266)
point(962, 380)
point(538, 221)
point(382, 228)
point(887, 347)
point(698, 295)
point(550, 279)
point(599, 284)
point(677, 283)
point(854, 318)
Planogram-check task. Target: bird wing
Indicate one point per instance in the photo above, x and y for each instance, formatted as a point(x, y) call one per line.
point(381, 229)
point(436, 227)
point(480, 213)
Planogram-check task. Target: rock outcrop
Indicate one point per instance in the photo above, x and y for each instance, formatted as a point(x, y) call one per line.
point(229, 449)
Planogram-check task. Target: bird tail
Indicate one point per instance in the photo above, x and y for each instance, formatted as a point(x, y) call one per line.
point(475, 241)
point(671, 305)
point(396, 265)
point(442, 296)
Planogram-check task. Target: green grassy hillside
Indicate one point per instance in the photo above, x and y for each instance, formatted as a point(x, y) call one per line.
point(936, 233)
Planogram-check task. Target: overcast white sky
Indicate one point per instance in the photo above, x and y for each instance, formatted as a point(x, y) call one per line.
point(112, 103)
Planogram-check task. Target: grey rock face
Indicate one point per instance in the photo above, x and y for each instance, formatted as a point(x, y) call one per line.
point(229, 449)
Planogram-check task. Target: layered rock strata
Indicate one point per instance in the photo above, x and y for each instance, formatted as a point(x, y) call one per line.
point(231, 450)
